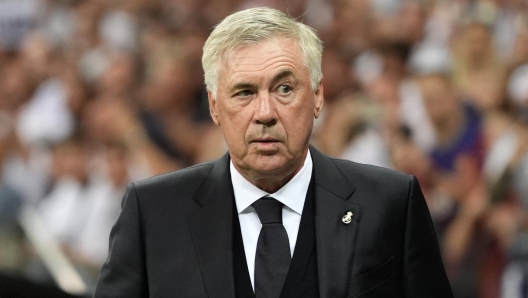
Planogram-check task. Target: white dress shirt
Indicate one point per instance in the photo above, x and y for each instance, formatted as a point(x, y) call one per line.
point(292, 195)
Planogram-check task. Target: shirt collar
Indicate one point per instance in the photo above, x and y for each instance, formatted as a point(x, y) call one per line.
point(292, 195)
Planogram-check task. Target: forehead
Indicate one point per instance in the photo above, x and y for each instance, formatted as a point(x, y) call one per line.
point(262, 59)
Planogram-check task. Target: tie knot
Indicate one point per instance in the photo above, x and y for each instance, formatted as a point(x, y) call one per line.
point(268, 210)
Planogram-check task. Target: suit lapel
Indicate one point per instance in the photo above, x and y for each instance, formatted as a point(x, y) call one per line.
point(212, 230)
point(335, 240)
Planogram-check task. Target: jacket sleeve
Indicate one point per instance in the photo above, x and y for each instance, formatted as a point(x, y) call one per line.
point(423, 271)
point(124, 274)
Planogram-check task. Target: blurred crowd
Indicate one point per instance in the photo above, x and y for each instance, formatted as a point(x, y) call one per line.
point(95, 94)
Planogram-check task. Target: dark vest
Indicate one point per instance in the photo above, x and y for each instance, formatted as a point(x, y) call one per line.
point(301, 280)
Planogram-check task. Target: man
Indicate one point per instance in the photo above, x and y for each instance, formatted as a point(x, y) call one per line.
point(273, 217)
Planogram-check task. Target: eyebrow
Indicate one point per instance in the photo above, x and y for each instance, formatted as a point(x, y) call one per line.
point(240, 86)
point(281, 75)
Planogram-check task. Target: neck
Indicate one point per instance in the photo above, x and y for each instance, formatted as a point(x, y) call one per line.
point(272, 185)
point(271, 182)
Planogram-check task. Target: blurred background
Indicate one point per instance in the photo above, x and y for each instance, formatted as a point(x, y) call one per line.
point(95, 94)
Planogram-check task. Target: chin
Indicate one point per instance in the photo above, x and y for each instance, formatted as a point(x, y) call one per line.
point(272, 165)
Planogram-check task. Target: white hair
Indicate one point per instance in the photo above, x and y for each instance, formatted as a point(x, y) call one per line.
point(252, 26)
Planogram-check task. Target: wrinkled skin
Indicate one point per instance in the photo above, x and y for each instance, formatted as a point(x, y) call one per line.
point(265, 107)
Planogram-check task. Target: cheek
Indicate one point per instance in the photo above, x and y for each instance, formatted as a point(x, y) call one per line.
point(234, 126)
point(298, 124)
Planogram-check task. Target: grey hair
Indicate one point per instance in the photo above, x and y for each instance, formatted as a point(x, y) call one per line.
point(252, 26)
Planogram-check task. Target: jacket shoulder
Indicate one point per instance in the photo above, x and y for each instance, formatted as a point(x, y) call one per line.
point(183, 180)
point(384, 184)
point(359, 172)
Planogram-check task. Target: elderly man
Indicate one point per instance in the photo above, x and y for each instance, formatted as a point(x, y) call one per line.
point(273, 217)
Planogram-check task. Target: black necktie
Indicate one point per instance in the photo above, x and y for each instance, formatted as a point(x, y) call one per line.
point(273, 257)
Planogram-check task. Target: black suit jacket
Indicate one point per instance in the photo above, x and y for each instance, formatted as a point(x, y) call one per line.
point(174, 235)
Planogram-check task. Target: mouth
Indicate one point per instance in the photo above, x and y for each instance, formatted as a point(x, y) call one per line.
point(266, 144)
point(265, 140)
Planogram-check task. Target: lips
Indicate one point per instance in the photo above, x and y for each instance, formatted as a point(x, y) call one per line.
point(266, 145)
point(265, 140)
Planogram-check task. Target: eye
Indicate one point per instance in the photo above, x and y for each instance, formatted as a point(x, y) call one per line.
point(284, 89)
point(244, 93)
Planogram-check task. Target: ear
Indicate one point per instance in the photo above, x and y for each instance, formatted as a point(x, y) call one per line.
point(319, 100)
point(212, 107)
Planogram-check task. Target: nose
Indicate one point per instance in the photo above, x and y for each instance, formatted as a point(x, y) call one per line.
point(265, 110)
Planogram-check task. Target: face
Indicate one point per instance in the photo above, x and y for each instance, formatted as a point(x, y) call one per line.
point(266, 106)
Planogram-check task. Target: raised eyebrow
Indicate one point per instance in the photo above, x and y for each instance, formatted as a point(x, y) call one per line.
point(283, 74)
